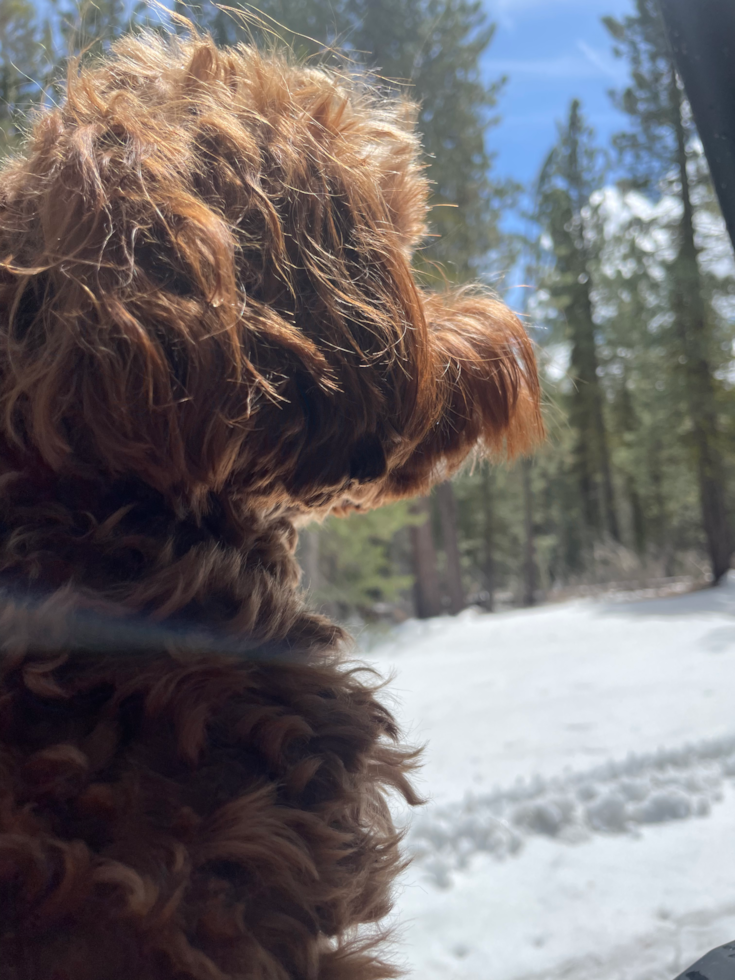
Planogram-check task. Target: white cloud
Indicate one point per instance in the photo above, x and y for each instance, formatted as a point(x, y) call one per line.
point(495, 7)
point(506, 11)
point(603, 62)
point(517, 6)
point(562, 66)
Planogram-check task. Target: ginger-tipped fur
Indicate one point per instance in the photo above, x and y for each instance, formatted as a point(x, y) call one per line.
point(209, 328)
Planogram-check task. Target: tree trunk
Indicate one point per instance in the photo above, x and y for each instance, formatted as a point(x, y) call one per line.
point(489, 522)
point(637, 517)
point(608, 497)
point(589, 419)
point(309, 555)
point(629, 426)
point(692, 328)
point(448, 515)
point(529, 561)
point(427, 594)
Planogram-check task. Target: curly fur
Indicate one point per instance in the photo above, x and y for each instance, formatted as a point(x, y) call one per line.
point(209, 328)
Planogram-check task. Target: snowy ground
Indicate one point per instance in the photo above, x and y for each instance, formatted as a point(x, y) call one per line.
point(580, 767)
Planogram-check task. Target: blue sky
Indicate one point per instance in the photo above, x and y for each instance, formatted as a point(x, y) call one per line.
point(551, 51)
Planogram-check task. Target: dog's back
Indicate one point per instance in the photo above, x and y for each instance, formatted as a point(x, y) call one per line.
point(192, 815)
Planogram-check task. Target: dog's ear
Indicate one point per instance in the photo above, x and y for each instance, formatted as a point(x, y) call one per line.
point(486, 389)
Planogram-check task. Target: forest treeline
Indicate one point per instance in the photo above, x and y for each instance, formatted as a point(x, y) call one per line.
point(631, 303)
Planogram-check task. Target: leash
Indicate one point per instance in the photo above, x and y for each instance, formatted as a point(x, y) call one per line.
point(47, 630)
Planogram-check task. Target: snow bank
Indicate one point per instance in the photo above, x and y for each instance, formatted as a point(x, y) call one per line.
point(503, 696)
point(615, 861)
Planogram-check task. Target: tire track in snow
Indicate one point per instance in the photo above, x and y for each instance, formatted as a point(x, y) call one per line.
point(612, 798)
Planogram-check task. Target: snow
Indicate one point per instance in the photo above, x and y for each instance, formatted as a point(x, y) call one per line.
point(580, 772)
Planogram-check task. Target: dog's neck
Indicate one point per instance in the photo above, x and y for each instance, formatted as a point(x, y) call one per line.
point(120, 553)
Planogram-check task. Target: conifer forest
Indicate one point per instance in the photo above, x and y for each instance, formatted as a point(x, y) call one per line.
point(630, 299)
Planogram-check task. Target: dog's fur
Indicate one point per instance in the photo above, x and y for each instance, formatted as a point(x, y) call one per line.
point(209, 328)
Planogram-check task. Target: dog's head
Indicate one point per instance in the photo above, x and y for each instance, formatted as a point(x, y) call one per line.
point(206, 285)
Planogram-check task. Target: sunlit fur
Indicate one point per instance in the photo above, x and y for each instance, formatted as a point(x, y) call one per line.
point(209, 329)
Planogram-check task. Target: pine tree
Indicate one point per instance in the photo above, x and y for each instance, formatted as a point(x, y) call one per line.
point(24, 66)
point(435, 48)
point(36, 42)
point(631, 289)
point(356, 571)
point(659, 144)
point(88, 27)
point(568, 178)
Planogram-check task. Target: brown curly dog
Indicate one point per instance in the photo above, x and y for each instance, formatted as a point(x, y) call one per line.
point(209, 328)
